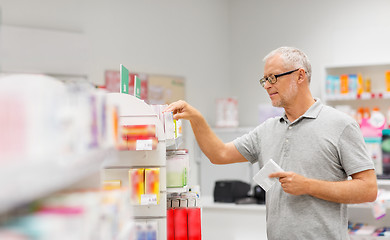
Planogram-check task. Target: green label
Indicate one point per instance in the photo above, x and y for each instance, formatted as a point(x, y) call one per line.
point(137, 87)
point(124, 80)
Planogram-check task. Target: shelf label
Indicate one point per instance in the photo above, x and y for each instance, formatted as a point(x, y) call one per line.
point(144, 144)
point(137, 87)
point(124, 73)
point(148, 199)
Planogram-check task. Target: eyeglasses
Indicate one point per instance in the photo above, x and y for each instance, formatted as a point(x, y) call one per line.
point(274, 78)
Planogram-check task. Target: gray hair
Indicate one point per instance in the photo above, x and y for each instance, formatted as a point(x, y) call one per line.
point(292, 57)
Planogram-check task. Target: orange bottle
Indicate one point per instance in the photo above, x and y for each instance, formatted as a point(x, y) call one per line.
point(388, 81)
point(367, 85)
point(360, 87)
point(344, 84)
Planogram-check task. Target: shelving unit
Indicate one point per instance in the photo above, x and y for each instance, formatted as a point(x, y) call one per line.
point(363, 213)
point(376, 72)
point(136, 112)
point(23, 183)
point(378, 97)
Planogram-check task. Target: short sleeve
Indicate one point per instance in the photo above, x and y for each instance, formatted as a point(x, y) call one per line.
point(353, 151)
point(249, 144)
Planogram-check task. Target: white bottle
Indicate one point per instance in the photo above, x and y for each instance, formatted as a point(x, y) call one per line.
point(377, 119)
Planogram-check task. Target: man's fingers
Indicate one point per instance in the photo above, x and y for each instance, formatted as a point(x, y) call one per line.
point(178, 116)
point(175, 106)
point(277, 175)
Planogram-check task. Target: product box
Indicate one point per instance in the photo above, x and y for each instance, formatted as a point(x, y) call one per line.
point(170, 225)
point(112, 184)
point(169, 127)
point(194, 224)
point(180, 222)
point(138, 137)
point(152, 182)
point(137, 185)
point(139, 130)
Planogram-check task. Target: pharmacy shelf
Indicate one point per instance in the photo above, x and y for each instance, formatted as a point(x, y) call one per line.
point(28, 181)
point(354, 97)
point(375, 72)
point(383, 182)
point(133, 111)
point(364, 237)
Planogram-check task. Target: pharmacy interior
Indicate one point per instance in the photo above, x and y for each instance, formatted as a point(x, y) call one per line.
point(87, 151)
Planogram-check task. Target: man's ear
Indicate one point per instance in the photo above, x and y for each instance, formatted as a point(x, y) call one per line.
point(301, 76)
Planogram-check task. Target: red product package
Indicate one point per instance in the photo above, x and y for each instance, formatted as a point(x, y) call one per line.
point(194, 224)
point(170, 225)
point(180, 221)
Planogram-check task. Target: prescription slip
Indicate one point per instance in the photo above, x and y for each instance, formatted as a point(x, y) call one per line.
point(262, 178)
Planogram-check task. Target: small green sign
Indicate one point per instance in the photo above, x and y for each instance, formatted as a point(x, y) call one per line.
point(137, 87)
point(124, 80)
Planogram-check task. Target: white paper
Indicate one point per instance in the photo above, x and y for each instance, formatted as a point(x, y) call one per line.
point(262, 178)
point(148, 199)
point(144, 144)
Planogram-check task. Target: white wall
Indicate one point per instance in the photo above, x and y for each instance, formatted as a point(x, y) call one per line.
point(174, 37)
point(185, 38)
point(330, 32)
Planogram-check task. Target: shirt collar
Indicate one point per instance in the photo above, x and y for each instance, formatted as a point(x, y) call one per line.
point(312, 112)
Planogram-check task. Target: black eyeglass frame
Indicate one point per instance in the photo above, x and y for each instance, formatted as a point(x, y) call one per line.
point(274, 78)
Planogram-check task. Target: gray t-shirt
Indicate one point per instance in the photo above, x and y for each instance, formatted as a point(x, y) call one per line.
point(323, 144)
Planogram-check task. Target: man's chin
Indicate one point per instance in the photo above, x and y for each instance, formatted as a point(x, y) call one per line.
point(275, 103)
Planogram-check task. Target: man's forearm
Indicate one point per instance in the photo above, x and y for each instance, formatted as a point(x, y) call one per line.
point(350, 191)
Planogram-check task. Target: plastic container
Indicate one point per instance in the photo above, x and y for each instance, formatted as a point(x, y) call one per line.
point(177, 168)
point(373, 126)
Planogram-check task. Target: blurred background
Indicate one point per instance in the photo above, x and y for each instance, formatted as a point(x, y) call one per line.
point(215, 46)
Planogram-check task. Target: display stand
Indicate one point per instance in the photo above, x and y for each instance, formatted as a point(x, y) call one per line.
point(134, 111)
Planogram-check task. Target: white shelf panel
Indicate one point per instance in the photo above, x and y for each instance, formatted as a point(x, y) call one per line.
point(143, 158)
point(355, 97)
point(363, 237)
point(177, 190)
point(383, 182)
point(25, 182)
point(145, 211)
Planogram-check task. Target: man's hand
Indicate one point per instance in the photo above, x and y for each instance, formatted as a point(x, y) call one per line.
point(291, 182)
point(182, 110)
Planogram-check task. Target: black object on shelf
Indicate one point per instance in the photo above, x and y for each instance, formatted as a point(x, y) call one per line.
point(229, 191)
point(259, 194)
point(383, 176)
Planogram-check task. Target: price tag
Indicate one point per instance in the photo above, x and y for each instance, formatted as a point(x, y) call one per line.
point(148, 199)
point(144, 145)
